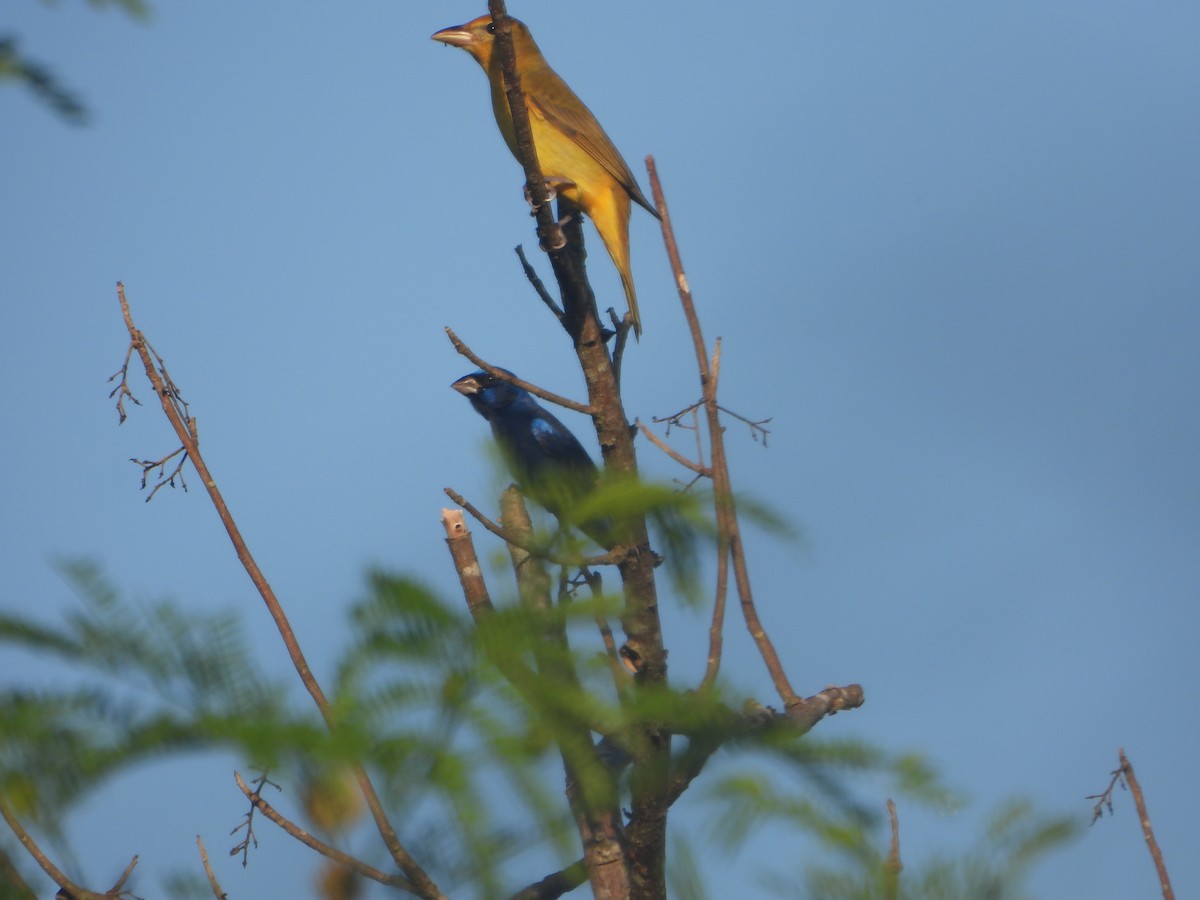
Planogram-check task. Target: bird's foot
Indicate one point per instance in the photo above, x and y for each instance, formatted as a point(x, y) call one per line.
point(560, 239)
point(554, 184)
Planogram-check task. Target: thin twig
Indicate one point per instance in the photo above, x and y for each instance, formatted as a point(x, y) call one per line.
point(315, 843)
point(148, 465)
point(621, 328)
point(208, 871)
point(756, 425)
point(250, 840)
point(596, 585)
point(171, 401)
point(506, 535)
point(116, 889)
point(676, 420)
point(716, 626)
point(1123, 775)
point(540, 288)
point(122, 389)
point(549, 396)
point(666, 448)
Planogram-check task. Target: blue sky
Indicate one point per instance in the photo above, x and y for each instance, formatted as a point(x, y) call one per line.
point(952, 250)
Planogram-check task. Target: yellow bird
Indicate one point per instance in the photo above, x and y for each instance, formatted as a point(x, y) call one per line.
point(572, 148)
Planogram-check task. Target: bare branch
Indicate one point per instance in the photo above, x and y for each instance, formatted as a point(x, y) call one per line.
point(1123, 775)
point(892, 867)
point(538, 286)
point(315, 843)
point(756, 425)
point(250, 840)
point(728, 528)
point(116, 889)
point(549, 396)
point(1104, 800)
point(596, 586)
point(176, 412)
point(621, 328)
point(829, 702)
point(148, 465)
point(666, 448)
point(121, 391)
point(607, 559)
point(1139, 801)
point(676, 420)
point(208, 871)
point(466, 563)
point(716, 627)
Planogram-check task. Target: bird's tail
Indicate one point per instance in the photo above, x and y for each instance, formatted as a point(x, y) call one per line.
point(631, 299)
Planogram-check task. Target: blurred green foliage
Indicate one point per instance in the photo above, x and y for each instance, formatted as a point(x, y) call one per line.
point(459, 731)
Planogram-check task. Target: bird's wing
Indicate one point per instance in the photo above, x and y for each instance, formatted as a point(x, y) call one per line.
point(573, 119)
point(559, 444)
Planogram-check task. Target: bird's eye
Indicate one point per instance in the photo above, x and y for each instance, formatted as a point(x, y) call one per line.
point(491, 29)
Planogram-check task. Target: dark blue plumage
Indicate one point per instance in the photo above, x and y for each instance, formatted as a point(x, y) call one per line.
point(547, 460)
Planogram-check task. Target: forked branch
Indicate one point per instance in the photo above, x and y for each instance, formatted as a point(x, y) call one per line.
point(254, 795)
point(1123, 775)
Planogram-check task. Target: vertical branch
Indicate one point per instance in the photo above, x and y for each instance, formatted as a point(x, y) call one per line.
point(726, 509)
point(166, 394)
point(892, 867)
point(716, 629)
point(548, 230)
point(591, 787)
point(640, 620)
point(1139, 801)
point(598, 821)
point(566, 255)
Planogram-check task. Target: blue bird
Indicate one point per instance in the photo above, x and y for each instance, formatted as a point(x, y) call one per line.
point(546, 459)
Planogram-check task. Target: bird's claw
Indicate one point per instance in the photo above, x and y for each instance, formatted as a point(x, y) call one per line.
point(560, 240)
point(554, 185)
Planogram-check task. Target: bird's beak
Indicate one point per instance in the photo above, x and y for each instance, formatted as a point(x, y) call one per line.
point(467, 386)
point(455, 36)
